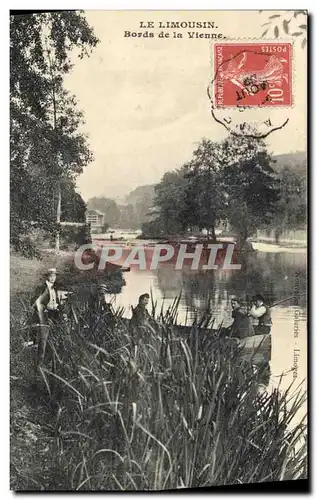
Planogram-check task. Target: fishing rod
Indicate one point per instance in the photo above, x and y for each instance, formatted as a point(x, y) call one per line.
point(288, 298)
point(249, 303)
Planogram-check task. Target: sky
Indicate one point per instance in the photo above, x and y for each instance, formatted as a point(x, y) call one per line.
point(145, 100)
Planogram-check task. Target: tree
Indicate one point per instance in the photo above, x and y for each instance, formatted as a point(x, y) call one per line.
point(251, 186)
point(204, 189)
point(45, 144)
point(128, 218)
point(232, 181)
point(105, 228)
point(292, 205)
point(73, 206)
point(142, 200)
point(171, 203)
point(153, 229)
point(108, 207)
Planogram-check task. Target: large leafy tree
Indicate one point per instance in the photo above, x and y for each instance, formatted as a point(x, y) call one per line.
point(204, 189)
point(232, 180)
point(252, 188)
point(46, 144)
point(172, 212)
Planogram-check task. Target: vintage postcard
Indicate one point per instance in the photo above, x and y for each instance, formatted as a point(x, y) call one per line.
point(158, 249)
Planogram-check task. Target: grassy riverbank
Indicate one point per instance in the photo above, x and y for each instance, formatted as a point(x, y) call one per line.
point(27, 411)
point(144, 411)
point(30, 409)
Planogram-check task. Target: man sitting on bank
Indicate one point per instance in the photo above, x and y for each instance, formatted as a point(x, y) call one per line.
point(261, 312)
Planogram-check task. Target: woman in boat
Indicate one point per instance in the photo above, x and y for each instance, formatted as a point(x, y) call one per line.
point(261, 312)
point(241, 327)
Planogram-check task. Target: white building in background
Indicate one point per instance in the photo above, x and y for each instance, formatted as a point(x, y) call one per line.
point(96, 219)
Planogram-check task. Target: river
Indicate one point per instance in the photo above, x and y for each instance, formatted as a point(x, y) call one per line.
point(272, 271)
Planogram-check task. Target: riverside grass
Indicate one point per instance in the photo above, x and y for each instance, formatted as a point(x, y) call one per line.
point(148, 410)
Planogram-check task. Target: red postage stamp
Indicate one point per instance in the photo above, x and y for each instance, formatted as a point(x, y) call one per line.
point(253, 74)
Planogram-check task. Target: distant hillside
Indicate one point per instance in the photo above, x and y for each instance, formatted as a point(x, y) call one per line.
point(144, 195)
point(296, 160)
point(136, 206)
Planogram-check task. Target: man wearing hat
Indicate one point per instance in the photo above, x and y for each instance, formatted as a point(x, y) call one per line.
point(262, 313)
point(45, 309)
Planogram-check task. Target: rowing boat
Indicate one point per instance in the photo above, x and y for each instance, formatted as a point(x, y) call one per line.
point(256, 349)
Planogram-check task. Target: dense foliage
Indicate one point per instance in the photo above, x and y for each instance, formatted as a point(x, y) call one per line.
point(47, 148)
point(232, 181)
point(292, 205)
point(236, 183)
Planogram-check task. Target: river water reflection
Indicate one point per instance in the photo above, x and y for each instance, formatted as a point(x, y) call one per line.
point(276, 275)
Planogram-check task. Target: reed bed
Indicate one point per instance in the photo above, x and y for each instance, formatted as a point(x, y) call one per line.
point(148, 409)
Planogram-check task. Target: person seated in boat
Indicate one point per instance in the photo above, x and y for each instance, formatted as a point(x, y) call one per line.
point(46, 309)
point(262, 313)
point(140, 314)
point(241, 327)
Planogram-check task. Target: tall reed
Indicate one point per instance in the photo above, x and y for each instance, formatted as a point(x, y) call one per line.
point(151, 409)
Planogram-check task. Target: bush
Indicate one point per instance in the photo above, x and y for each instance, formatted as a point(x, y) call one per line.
point(72, 237)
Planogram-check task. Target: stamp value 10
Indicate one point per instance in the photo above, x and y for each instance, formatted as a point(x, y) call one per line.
point(253, 74)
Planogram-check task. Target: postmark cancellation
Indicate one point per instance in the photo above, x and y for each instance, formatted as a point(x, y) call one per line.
point(252, 74)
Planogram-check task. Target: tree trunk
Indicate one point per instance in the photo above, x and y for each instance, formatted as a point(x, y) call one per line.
point(58, 218)
point(277, 236)
point(242, 239)
point(59, 195)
